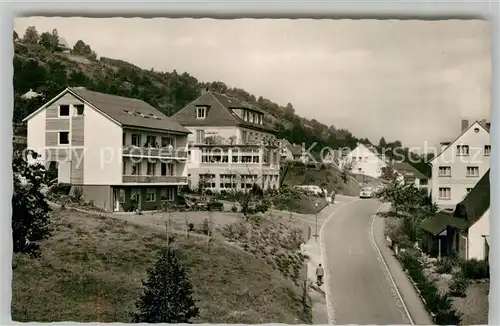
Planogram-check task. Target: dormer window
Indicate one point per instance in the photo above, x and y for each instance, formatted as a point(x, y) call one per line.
point(201, 112)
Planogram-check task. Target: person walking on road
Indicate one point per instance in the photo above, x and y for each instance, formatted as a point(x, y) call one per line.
point(319, 274)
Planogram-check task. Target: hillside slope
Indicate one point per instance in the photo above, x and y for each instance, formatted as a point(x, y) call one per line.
point(91, 270)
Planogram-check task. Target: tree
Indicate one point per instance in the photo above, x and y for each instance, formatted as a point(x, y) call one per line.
point(247, 196)
point(388, 173)
point(382, 143)
point(31, 35)
point(168, 293)
point(30, 211)
point(15, 36)
point(49, 41)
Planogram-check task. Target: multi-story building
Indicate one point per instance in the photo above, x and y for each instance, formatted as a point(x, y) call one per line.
point(230, 146)
point(122, 152)
point(461, 164)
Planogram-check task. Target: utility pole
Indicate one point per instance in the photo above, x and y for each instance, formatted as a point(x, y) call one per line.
point(316, 204)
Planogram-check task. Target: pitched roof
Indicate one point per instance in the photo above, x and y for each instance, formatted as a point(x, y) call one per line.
point(219, 112)
point(466, 213)
point(126, 111)
point(407, 168)
point(456, 139)
point(477, 201)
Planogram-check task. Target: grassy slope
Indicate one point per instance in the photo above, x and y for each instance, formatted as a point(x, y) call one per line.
point(91, 270)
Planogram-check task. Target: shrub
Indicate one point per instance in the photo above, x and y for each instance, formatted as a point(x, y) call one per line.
point(60, 189)
point(438, 304)
point(234, 209)
point(168, 293)
point(445, 265)
point(475, 269)
point(30, 210)
point(459, 285)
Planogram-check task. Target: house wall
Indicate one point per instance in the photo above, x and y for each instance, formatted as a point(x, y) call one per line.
point(36, 134)
point(369, 162)
point(101, 196)
point(103, 149)
point(458, 182)
point(224, 132)
point(476, 241)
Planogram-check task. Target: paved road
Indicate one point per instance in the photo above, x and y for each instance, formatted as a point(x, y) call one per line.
point(359, 290)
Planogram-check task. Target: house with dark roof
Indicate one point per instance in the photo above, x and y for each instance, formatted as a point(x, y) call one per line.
point(460, 164)
point(293, 152)
point(464, 231)
point(409, 174)
point(231, 146)
point(123, 153)
point(365, 160)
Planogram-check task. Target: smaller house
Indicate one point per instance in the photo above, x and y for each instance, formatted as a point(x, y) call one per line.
point(30, 95)
point(63, 46)
point(409, 174)
point(464, 231)
point(365, 160)
point(293, 152)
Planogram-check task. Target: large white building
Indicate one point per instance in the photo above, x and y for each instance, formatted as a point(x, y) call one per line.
point(364, 160)
point(460, 164)
point(230, 146)
point(122, 152)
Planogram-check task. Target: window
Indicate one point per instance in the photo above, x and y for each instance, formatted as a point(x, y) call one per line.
point(151, 168)
point(136, 169)
point(424, 182)
point(189, 156)
point(244, 136)
point(200, 136)
point(235, 158)
point(463, 150)
point(121, 196)
point(124, 168)
point(151, 195)
point(167, 194)
point(79, 109)
point(64, 110)
point(63, 138)
point(445, 171)
point(487, 150)
point(150, 141)
point(167, 169)
point(166, 141)
point(201, 112)
point(227, 181)
point(472, 171)
point(444, 193)
point(207, 180)
point(136, 140)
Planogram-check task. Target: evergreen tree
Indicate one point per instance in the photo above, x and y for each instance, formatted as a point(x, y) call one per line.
point(168, 294)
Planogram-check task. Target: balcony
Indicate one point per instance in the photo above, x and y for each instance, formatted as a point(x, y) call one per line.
point(162, 152)
point(231, 141)
point(154, 179)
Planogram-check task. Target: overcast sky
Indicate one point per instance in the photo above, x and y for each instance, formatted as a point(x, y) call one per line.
point(405, 80)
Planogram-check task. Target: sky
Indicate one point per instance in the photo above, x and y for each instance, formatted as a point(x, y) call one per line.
point(412, 81)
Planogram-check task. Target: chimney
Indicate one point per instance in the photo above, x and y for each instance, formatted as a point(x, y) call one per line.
point(488, 125)
point(465, 124)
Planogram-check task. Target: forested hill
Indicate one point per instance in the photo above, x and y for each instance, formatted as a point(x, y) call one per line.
point(40, 65)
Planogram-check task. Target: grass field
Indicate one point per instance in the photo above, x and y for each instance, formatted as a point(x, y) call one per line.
point(91, 269)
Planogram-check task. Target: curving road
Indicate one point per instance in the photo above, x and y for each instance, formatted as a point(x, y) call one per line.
point(358, 287)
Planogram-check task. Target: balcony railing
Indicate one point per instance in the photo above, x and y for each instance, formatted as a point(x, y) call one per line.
point(155, 151)
point(154, 179)
point(231, 141)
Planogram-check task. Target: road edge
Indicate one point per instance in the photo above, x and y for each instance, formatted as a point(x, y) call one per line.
point(384, 256)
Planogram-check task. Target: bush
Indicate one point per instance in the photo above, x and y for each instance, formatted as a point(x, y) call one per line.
point(60, 189)
point(459, 285)
point(438, 304)
point(475, 269)
point(234, 209)
point(445, 265)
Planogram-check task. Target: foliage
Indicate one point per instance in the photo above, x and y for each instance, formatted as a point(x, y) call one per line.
point(475, 269)
point(168, 294)
point(388, 173)
point(439, 305)
point(459, 285)
point(30, 210)
point(446, 265)
point(31, 35)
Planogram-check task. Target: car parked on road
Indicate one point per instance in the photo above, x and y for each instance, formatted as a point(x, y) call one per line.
point(366, 192)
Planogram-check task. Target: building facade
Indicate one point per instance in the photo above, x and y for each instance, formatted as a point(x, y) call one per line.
point(364, 160)
point(461, 164)
point(123, 153)
point(230, 146)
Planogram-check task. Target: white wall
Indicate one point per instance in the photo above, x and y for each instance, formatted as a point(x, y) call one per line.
point(459, 182)
point(224, 132)
point(370, 163)
point(103, 149)
point(36, 133)
point(475, 238)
